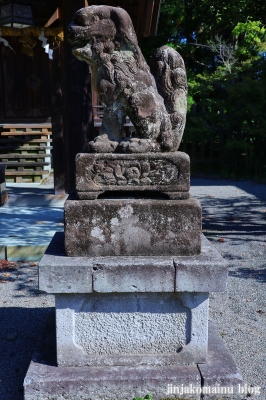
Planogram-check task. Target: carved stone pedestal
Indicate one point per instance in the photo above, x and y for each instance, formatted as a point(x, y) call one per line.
point(131, 310)
point(132, 217)
point(131, 277)
point(131, 326)
point(149, 174)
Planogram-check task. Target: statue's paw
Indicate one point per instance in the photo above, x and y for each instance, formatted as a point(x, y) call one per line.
point(101, 144)
point(138, 146)
point(167, 143)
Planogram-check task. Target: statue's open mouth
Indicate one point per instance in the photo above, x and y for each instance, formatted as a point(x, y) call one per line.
point(78, 34)
point(76, 50)
point(82, 51)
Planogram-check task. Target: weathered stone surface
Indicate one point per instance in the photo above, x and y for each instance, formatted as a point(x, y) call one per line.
point(164, 172)
point(61, 274)
point(206, 272)
point(220, 371)
point(104, 37)
point(131, 329)
point(45, 381)
point(66, 278)
point(133, 274)
point(138, 194)
point(172, 85)
point(132, 227)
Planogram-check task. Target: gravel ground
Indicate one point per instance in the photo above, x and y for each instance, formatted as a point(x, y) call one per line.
point(23, 311)
point(234, 220)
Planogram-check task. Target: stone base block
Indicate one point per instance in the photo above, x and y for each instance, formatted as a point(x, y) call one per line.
point(98, 228)
point(46, 381)
point(204, 272)
point(131, 310)
point(221, 377)
point(153, 172)
point(131, 329)
point(26, 252)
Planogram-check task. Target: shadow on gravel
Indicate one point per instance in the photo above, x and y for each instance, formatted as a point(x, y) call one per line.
point(26, 285)
point(24, 275)
point(235, 216)
point(18, 190)
point(256, 189)
point(20, 331)
point(29, 224)
point(249, 273)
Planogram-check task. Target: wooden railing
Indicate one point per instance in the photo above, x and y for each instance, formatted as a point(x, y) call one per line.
point(25, 150)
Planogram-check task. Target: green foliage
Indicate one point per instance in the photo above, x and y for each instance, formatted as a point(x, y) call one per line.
point(251, 36)
point(147, 397)
point(224, 47)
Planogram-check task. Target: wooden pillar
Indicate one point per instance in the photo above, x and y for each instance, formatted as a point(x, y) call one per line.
point(57, 121)
point(72, 116)
point(2, 113)
point(155, 17)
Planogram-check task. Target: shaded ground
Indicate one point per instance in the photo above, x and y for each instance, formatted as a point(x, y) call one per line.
point(29, 219)
point(234, 220)
point(23, 311)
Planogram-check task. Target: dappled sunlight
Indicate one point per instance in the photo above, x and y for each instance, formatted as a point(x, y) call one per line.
point(30, 225)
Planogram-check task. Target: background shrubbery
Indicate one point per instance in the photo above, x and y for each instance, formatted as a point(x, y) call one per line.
point(224, 47)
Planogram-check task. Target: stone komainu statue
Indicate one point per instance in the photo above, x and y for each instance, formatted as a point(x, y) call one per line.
point(155, 100)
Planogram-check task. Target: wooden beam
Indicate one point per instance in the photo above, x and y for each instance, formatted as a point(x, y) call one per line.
point(77, 102)
point(72, 120)
point(57, 120)
point(149, 8)
point(141, 18)
point(53, 18)
point(155, 17)
point(2, 107)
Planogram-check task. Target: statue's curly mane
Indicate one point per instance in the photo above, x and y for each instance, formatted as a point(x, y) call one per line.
point(104, 37)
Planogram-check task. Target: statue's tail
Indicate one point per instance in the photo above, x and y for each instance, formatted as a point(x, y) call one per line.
point(168, 69)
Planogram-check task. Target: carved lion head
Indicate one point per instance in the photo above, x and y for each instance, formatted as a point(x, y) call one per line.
point(99, 30)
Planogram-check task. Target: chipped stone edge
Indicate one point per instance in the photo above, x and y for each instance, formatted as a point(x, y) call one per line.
point(206, 272)
point(46, 382)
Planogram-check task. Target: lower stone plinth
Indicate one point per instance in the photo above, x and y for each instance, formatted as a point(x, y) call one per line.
point(131, 311)
point(46, 381)
point(220, 371)
point(131, 329)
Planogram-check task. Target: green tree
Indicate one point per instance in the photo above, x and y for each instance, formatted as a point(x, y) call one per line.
point(223, 45)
